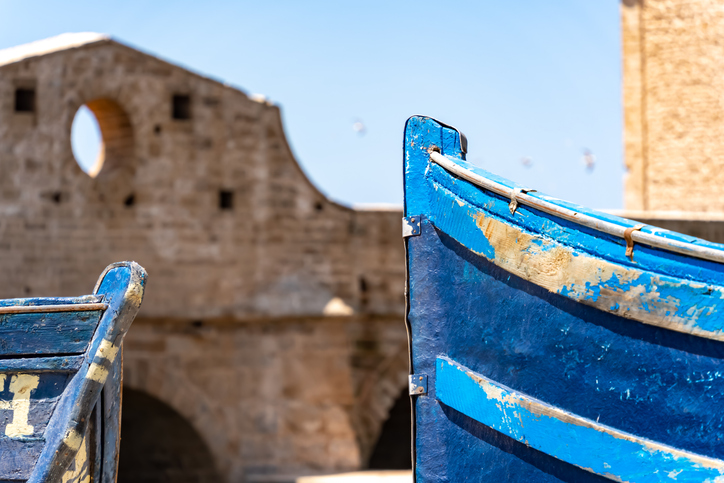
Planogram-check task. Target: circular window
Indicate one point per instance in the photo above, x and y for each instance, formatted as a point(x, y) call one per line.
point(87, 142)
point(102, 138)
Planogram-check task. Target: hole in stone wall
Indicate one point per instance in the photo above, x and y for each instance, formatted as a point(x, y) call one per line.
point(87, 141)
point(226, 199)
point(158, 444)
point(362, 285)
point(24, 100)
point(318, 206)
point(130, 200)
point(393, 448)
point(181, 106)
point(102, 137)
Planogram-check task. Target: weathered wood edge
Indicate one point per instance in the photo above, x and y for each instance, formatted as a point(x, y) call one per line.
point(31, 309)
point(67, 426)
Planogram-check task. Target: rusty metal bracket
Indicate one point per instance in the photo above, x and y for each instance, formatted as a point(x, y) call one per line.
point(418, 384)
point(629, 240)
point(411, 226)
point(514, 199)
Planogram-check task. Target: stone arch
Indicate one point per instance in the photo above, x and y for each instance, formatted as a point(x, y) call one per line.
point(377, 394)
point(393, 449)
point(158, 444)
point(167, 382)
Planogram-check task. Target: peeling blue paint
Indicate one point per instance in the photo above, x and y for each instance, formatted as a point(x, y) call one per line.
point(555, 312)
point(578, 441)
point(47, 401)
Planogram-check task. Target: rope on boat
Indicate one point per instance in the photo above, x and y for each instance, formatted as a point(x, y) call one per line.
point(31, 309)
point(650, 239)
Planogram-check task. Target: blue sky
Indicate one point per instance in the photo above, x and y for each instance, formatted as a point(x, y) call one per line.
point(533, 84)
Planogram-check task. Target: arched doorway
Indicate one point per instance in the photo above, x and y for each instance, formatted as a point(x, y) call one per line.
point(393, 448)
point(159, 445)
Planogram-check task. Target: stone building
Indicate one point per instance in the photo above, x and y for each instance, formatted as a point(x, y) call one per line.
point(673, 71)
point(673, 87)
point(271, 340)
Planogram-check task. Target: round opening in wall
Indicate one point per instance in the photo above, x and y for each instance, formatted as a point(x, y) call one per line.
point(102, 138)
point(87, 141)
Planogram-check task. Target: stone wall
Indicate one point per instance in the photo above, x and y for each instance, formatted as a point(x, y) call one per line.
point(273, 318)
point(673, 68)
point(294, 396)
point(280, 249)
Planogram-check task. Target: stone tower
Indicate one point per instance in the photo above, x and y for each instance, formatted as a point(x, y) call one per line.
point(673, 70)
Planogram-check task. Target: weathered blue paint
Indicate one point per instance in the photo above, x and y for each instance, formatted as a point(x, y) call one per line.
point(32, 302)
point(110, 408)
point(556, 312)
point(54, 426)
point(584, 443)
point(37, 365)
point(51, 333)
point(656, 288)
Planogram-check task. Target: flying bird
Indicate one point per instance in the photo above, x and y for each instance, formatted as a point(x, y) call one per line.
point(589, 159)
point(359, 127)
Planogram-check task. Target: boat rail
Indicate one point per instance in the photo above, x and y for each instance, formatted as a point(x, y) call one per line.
point(634, 234)
point(30, 309)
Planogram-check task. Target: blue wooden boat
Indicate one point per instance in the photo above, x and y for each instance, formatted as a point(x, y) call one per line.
point(550, 342)
point(60, 380)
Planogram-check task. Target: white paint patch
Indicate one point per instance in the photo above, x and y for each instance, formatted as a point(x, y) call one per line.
point(81, 470)
point(73, 440)
point(97, 373)
point(107, 350)
point(21, 386)
point(563, 270)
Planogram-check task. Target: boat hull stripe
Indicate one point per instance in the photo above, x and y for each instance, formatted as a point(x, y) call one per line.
point(664, 301)
point(594, 447)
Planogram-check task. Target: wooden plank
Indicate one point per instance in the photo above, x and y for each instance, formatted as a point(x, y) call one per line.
point(84, 464)
point(586, 444)
point(41, 309)
point(36, 301)
point(111, 406)
point(47, 333)
point(42, 364)
point(27, 402)
point(527, 245)
point(18, 458)
point(122, 286)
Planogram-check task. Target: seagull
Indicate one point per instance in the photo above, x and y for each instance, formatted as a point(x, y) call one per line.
point(589, 159)
point(359, 127)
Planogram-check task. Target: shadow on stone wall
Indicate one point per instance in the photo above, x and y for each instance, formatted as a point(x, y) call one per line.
point(159, 445)
point(394, 446)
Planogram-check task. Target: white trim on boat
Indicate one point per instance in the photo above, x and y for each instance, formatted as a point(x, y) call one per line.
point(656, 241)
point(28, 309)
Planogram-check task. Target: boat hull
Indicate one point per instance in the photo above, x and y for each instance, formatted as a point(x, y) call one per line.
point(529, 376)
point(60, 380)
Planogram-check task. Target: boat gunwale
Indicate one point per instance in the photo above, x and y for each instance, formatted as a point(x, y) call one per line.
point(521, 197)
point(33, 309)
